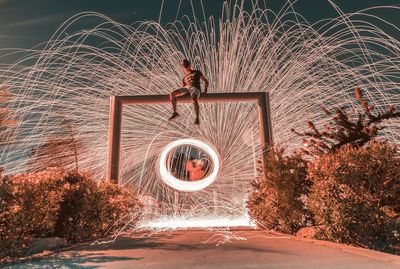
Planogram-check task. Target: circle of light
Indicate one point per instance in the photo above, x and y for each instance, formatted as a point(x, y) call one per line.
point(188, 186)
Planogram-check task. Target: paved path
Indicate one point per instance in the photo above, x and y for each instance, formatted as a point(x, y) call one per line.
point(205, 249)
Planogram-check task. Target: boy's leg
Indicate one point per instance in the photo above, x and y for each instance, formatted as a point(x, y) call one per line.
point(172, 97)
point(195, 97)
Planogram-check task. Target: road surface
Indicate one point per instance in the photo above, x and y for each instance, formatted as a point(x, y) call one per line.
point(194, 249)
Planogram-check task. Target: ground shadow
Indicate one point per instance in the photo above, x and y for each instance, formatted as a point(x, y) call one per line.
point(126, 243)
point(88, 255)
point(72, 259)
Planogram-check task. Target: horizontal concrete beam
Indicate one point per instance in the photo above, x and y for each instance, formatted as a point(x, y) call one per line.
point(204, 98)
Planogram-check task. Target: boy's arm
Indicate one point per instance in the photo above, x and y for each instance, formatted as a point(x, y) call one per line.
point(189, 166)
point(205, 81)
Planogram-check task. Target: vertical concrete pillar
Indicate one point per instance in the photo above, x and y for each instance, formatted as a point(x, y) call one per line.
point(264, 117)
point(114, 139)
point(265, 122)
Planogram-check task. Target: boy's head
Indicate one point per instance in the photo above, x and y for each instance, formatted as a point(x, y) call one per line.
point(199, 165)
point(185, 64)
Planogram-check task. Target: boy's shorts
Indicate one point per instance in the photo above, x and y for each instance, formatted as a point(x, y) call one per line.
point(193, 91)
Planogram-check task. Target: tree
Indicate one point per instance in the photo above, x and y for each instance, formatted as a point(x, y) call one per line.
point(59, 150)
point(345, 128)
point(6, 118)
point(7, 121)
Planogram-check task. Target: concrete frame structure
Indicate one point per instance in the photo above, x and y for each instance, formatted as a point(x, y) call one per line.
point(117, 103)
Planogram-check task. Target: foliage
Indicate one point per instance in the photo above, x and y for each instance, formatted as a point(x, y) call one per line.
point(29, 208)
point(346, 128)
point(61, 149)
point(355, 195)
point(89, 210)
point(7, 121)
point(280, 191)
point(58, 204)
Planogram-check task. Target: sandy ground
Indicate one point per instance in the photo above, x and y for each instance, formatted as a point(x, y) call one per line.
point(211, 249)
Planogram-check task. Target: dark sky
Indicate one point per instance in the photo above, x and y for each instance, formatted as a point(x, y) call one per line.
point(25, 23)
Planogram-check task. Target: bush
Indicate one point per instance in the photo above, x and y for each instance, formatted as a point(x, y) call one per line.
point(29, 209)
point(55, 204)
point(89, 210)
point(356, 194)
point(281, 188)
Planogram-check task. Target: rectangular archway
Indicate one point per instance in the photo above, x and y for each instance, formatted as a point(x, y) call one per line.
point(116, 109)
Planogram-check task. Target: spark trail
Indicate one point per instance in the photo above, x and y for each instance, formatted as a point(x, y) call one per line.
point(302, 65)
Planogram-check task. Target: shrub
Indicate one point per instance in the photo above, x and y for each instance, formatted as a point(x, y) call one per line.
point(356, 194)
point(280, 192)
point(89, 210)
point(56, 204)
point(29, 208)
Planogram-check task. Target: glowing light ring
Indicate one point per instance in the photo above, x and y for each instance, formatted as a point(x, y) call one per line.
point(188, 186)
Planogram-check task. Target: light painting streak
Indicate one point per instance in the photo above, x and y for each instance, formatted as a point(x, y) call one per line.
point(188, 186)
point(301, 65)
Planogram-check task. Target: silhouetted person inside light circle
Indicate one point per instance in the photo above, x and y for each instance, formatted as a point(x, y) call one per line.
point(195, 169)
point(190, 85)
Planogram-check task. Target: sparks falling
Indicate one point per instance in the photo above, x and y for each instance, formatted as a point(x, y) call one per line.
point(301, 65)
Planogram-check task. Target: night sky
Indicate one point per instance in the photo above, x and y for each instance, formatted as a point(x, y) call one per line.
point(26, 23)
